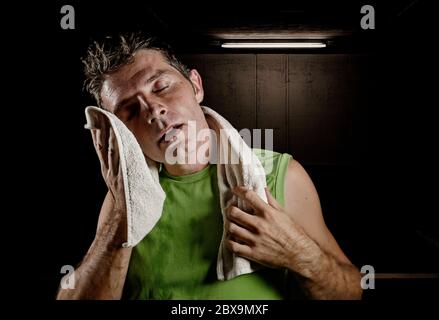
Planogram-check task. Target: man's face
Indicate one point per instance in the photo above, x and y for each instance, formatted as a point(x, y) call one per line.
point(150, 97)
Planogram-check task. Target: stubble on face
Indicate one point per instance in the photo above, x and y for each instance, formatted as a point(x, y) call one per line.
point(146, 85)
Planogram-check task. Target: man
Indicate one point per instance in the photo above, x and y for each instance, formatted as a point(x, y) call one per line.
point(153, 94)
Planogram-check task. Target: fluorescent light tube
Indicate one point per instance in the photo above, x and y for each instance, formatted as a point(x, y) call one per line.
point(277, 45)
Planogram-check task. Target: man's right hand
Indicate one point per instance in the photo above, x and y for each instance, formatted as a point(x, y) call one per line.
point(113, 217)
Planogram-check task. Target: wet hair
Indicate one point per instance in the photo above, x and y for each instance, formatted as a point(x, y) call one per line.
point(117, 51)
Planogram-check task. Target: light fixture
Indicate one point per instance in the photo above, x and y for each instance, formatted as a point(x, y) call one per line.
point(272, 45)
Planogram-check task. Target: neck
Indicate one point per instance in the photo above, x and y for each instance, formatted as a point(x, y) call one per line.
point(184, 169)
point(189, 167)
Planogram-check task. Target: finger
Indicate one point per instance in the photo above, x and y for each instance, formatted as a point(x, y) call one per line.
point(113, 153)
point(272, 200)
point(242, 218)
point(238, 248)
point(101, 150)
point(241, 234)
point(104, 135)
point(93, 136)
point(251, 197)
point(230, 236)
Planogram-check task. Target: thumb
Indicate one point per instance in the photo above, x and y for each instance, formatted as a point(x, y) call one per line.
point(272, 200)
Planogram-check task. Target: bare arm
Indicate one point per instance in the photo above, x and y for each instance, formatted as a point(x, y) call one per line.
point(324, 270)
point(102, 272)
point(294, 237)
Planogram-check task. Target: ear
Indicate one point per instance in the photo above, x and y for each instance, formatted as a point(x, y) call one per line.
point(197, 83)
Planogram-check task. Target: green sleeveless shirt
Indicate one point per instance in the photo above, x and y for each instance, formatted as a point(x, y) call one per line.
point(177, 259)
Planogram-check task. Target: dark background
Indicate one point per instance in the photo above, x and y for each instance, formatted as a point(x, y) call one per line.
point(358, 115)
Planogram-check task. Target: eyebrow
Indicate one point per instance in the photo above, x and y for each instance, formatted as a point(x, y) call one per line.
point(125, 101)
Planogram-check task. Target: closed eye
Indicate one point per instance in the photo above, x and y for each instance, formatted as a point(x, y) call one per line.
point(160, 89)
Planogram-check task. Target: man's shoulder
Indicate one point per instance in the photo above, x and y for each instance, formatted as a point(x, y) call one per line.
point(272, 161)
point(275, 165)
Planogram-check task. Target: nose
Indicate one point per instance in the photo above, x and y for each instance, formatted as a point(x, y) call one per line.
point(154, 111)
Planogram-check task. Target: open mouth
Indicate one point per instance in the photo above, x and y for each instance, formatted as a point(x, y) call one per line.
point(171, 134)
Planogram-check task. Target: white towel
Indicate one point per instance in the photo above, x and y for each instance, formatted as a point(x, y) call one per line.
point(145, 197)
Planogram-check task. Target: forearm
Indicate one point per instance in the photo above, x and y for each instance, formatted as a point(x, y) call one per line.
point(321, 275)
point(102, 273)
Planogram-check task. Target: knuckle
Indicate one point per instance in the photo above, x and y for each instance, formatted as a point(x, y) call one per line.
point(233, 246)
point(248, 195)
point(233, 212)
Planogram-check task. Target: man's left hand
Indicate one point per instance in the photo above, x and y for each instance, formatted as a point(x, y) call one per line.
point(269, 236)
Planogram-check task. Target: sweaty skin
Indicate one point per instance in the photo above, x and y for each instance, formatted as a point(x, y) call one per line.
point(149, 95)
